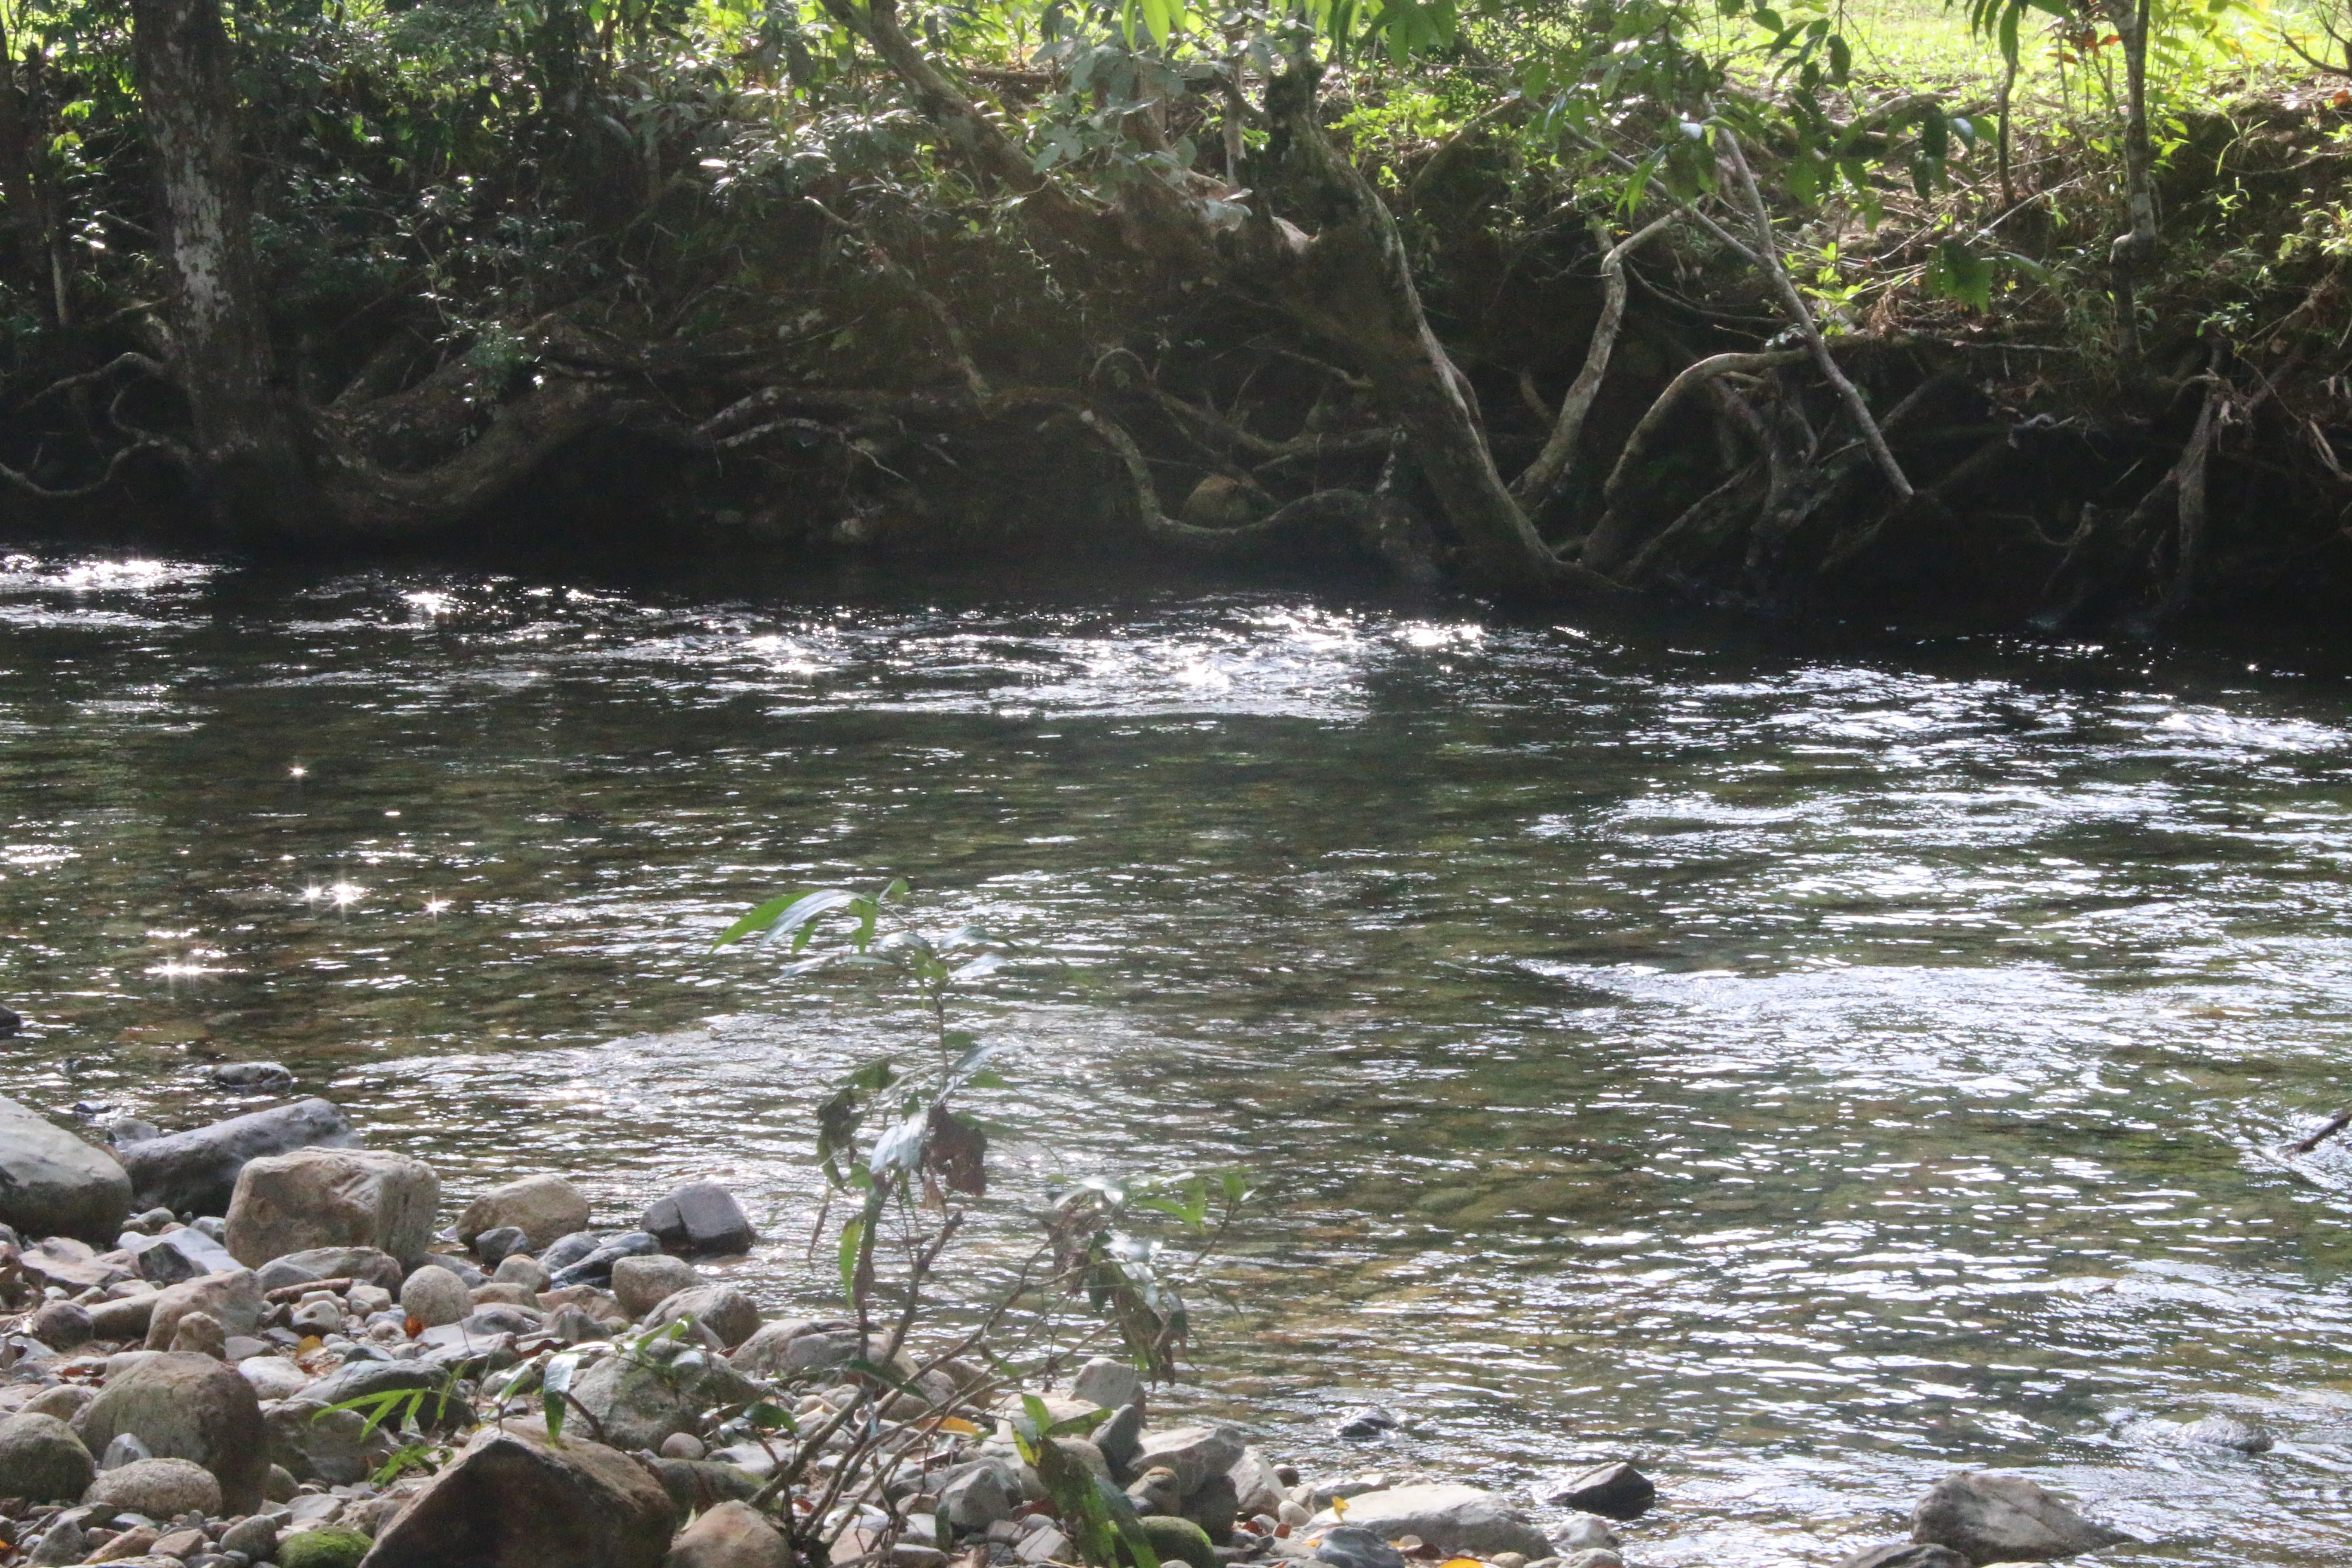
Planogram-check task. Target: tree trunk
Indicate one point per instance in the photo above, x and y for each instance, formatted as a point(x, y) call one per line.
point(1354, 284)
point(2133, 250)
point(246, 451)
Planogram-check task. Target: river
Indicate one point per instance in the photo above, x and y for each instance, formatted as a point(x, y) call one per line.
point(1804, 1071)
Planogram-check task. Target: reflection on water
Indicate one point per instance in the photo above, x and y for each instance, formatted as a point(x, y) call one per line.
point(1804, 1073)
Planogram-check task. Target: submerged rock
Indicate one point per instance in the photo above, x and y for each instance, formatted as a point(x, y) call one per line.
point(53, 1184)
point(1906, 1555)
point(254, 1077)
point(1988, 1518)
point(1455, 1519)
point(1612, 1491)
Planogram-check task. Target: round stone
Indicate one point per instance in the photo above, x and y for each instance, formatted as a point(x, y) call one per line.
point(160, 1488)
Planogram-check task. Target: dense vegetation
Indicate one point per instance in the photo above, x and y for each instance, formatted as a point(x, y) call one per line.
point(1808, 306)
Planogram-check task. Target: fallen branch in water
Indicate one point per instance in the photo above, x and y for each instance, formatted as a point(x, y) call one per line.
point(2336, 1123)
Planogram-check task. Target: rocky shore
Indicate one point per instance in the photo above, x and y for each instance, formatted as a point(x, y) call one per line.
point(259, 1343)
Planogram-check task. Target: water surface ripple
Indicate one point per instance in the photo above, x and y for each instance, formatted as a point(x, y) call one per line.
point(1802, 1072)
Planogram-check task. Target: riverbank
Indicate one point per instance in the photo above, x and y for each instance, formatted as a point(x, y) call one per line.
point(317, 1379)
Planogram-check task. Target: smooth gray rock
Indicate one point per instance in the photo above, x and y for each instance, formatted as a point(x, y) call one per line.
point(1256, 1488)
point(1107, 1384)
point(61, 1325)
point(256, 1535)
point(53, 1184)
point(41, 1460)
point(768, 1351)
point(1120, 1438)
point(697, 1485)
point(232, 1299)
point(1194, 1453)
point(434, 1296)
point(732, 1535)
point(494, 1246)
point(317, 1443)
point(1457, 1521)
point(1989, 1518)
point(160, 1488)
point(566, 1250)
point(190, 1407)
point(727, 1312)
point(331, 1197)
point(644, 1283)
point(177, 1256)
point(544, 1208)
point(197, 1170)
point(700, 1220)
point(637, 1404)
point(976, 1495)
point(597, 1267)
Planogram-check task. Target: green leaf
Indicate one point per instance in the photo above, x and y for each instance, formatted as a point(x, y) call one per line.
point(852, 1234)
point(554, 1383)
point(1955, 272)
point(760, 918)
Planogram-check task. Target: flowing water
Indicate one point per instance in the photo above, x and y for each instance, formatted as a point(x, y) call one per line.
point(1803, 1072)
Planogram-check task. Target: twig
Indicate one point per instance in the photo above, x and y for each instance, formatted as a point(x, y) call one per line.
point(2336, 1123)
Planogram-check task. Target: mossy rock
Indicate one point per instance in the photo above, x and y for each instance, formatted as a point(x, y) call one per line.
point(1179, 1540)
point(322, 1549)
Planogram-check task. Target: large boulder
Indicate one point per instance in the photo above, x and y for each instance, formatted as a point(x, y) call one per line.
point(544, 1208)
point(53, 1184)
point(231, 1299)
point(183, 1405)
point(700, 1219)
point(512, 1502)
point(1988, 1518)
point(195, 1172)
point(1460, 1522)
point(637, 1403)
point(732, 1535)
point(332, 1198)
point(41, 1460)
